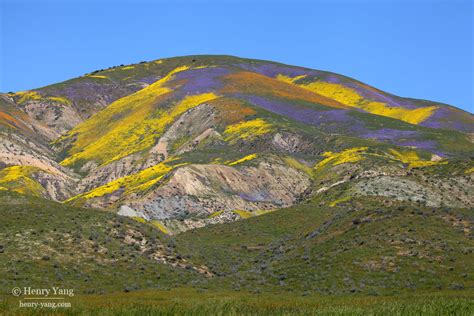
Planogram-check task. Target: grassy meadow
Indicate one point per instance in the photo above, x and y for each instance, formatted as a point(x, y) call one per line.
point(187, 301)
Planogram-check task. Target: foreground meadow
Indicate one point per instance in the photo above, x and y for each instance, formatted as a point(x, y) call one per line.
point(185, 301)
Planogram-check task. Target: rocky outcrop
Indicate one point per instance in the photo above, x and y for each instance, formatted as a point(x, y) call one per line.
point(57, 117)
point(288, 142)
point(200, 190)
point(57, 187)
point(100, 175)
point(193, 126)
point(434, 192)
point(18, 151)
point(58, 183)
point(190, 128)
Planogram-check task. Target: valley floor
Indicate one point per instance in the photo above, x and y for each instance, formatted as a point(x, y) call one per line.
point(188, 301)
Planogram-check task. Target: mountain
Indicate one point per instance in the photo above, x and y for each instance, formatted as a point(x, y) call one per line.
point(188, 141)
point(220, 172)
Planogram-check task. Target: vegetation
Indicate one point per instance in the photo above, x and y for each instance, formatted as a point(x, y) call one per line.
point(45, 244)
point(247, 130)
point(379, 190)
point(353, 246)
point(138, 182)
point(129, 125)
point(351, 98)
point(186, 301)
point(19, 179)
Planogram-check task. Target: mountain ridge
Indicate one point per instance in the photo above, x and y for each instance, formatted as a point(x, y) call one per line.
point(196, 137)
point(227, 174)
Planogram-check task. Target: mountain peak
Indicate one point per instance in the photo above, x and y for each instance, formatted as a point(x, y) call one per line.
point(190, 136)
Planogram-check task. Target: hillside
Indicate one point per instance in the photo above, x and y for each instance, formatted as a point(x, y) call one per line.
point(366, 246)
point(190, 141)
point(91, 251)
point(226, 174)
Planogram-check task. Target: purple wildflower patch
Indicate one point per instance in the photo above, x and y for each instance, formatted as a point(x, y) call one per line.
point(84, 90)
point(446, 117)
point(389, 134)
point(334, 121)
point(201, 80)
point(422, 144)
point(403, 138)
point(272, 70)
point(375, 95)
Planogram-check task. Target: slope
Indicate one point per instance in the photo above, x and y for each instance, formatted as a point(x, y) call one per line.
point(90, 251)
point(190, 141)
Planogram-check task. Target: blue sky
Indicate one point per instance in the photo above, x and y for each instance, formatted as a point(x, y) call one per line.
point(419, 48)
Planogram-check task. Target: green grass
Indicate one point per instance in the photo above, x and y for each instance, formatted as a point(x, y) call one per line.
point(310, 259)
point(185, 301)
point(50, 244)
point(359, 246)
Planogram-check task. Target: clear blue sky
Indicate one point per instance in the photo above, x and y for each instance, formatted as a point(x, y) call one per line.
point(416, 48)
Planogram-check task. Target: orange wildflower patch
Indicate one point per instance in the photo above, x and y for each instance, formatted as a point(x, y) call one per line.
point(232, 110)
point(5, 116)
point(9, 120)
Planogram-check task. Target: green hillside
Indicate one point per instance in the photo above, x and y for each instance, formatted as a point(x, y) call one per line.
point(222, 183)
